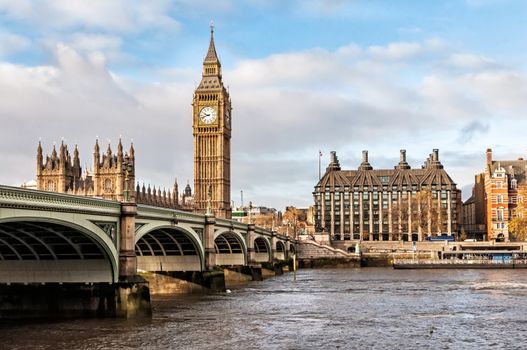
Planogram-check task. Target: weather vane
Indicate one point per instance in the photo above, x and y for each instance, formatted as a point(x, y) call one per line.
point(211, 26)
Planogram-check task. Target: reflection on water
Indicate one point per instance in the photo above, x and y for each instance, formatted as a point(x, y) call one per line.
point(339, 308)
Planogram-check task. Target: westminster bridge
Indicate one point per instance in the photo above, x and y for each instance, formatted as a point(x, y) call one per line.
point(54, 238)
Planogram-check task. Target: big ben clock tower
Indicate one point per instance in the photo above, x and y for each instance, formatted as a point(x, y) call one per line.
point(212, 139)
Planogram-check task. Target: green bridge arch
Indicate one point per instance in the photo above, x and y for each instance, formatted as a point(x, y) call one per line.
point(58, 256)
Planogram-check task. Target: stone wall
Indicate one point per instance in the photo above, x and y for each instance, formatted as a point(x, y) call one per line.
point(313, 250)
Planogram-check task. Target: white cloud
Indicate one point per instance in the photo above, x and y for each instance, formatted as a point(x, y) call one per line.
point(286, 107)
point(467, 60)
point(16, 9)
point(78, 98)
point(12, 43)
point(95, 42)
point(396, 51)
point(111, 15)
point(500, 90)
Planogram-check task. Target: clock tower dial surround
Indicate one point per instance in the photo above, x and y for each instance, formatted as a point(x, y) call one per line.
point(211, 109)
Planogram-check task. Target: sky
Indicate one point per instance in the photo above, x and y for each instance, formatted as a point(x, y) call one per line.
point(303, 76)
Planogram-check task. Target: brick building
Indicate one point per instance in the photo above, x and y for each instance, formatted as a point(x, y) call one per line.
point(502, 179)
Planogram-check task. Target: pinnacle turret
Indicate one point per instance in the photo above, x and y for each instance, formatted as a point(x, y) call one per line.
point(109, 150)
point(120, 149)
point(132, 150)
point(54, 152)
point(63, 150)
point(39, 151)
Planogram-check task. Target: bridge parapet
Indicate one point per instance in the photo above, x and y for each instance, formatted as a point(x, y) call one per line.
point(158, 213)
point(234, 225)
point(15, 197)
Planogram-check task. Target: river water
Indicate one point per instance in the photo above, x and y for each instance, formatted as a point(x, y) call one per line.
point(378, 308)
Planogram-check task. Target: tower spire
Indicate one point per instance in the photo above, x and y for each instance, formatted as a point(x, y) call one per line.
point(212, 56)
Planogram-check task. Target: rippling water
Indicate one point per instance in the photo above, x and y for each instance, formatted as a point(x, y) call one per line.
point(376, 308)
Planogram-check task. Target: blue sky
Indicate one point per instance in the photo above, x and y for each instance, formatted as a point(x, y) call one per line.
point(303, 75)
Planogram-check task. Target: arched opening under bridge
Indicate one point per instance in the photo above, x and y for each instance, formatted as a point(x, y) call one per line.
point(261, 250)
point(49, 252)
point(167, 249)
point(229, 249)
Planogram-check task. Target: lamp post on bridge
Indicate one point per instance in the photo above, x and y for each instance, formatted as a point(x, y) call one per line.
point(127, 257)
point(127, 167)
point(210, 222)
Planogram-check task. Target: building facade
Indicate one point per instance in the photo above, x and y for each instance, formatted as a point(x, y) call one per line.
point(212, 134)
point(502, 181)
point(112, 177)
point(473, 218)
point(386, 204)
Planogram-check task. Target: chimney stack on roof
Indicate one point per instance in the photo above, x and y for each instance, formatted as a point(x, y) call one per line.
point(403, 164)
point(489, 156)
point(334, 162)
point(365, 165)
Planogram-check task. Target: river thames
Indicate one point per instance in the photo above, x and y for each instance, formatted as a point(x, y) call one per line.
point(378, 308)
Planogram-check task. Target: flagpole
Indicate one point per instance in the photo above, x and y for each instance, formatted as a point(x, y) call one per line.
point(319, 157)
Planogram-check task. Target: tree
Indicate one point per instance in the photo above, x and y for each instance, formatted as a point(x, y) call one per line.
point(263, 220)
point(292, 218)
point(428, 215)
point(462, 234)
point(421, 213)
point(518, 224)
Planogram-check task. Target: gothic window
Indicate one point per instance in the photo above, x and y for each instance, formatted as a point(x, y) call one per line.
point(51, 185)
point(514, 184)
point(108, 185)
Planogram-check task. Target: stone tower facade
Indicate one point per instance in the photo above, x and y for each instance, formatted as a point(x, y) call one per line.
point(212, 139)
point(59, 173)
point(113, 177)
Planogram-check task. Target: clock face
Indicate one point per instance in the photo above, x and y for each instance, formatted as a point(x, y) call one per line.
point(207, 115)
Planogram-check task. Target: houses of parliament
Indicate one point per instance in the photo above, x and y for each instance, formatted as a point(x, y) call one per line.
point(113, 174)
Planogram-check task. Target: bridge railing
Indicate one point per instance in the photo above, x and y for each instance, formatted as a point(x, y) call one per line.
point(16, 197)
point(29, 198)
point(242, 226)
point(148, 211)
